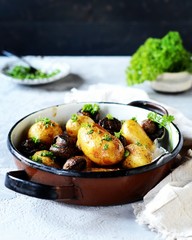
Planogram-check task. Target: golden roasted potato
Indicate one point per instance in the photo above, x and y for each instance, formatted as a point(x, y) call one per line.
point(45, 157)
point(44, 130)
point(138, 155)
point(134, 133)
point(99, 145)
point(75, 122)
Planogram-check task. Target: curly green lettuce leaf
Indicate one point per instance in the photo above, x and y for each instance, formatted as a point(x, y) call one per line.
point(157, 56)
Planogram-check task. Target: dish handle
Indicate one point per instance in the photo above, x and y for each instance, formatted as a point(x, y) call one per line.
point(151, 106)
point(18, 181)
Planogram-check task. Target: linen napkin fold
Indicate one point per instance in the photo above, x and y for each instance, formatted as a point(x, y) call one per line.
point(166, 209)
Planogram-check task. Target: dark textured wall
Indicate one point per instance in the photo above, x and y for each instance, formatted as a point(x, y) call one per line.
point(117, 27)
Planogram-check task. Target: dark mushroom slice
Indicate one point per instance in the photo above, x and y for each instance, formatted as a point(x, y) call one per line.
point(64, 146)
point(152, 129)
point(29, 146)
point(111, 124)
point(75, 163)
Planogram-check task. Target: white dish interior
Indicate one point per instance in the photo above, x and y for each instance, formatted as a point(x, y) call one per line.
point(62, 114)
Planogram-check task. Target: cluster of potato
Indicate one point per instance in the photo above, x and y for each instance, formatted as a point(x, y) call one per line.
point(89, 143)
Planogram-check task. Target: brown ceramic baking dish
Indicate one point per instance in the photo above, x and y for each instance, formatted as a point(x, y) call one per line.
point(90, 188)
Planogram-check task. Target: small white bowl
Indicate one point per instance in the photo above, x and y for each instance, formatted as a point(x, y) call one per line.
point(173, 82)
point(45, 65)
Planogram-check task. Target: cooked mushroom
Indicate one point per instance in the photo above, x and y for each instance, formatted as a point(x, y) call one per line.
point(152, 129)
point(64, 146)
point(30, 146)
point(111, 124)
point(75, 163)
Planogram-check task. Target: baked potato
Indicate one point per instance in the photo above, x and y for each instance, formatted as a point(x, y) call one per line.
point(132, 131)
point(45, 157)
point(75, 122)
point(137, 155)
point(44, 130)
point(99, 145)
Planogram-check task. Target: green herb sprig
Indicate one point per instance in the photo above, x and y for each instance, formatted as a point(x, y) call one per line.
point(107, 138)
point(46, 121)
point(109, 116)
point(163, 121)
point(74, 117)
point(91, 108)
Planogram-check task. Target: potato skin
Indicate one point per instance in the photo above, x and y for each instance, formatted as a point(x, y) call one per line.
point(138, 156)
point(73, 126)
point(43, 132)
point(45, 157)
point(134, 133)
point(99, 145)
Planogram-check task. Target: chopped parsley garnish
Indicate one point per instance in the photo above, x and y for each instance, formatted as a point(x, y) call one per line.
point(47, 154)
point(86, 125)
point(117, 134)
point(138, 144)
point(55, 145)
point(74, 117)
point(90, 131)
point(22, 72)
point(91, 108)
point(134, 119)
point(36, 159)
point(105, 147)
point(35, 140)
point(46, 121)
point(109, 116)
point(163, 121)
point(107, 137)
point(126, 154)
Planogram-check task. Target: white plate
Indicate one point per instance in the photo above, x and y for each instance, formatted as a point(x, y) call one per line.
point(45, 65)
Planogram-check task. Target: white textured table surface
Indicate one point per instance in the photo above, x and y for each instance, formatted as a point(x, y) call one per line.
point(16, 101)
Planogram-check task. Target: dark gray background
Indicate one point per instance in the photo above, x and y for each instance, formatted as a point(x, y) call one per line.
point(59, 27)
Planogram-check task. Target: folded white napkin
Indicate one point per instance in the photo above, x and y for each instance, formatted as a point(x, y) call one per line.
point(166, 209)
